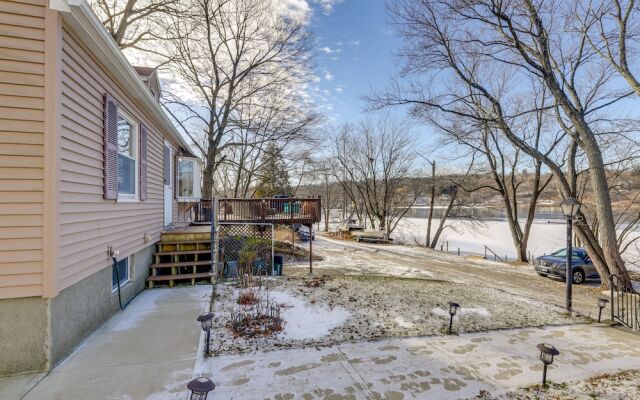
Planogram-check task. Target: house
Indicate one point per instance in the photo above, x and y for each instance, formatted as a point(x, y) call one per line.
point(90, 166)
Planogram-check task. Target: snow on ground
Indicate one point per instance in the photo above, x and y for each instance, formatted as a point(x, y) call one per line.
point(462, 312)
point(348, 308)
point(622, 385)
point(304, 320)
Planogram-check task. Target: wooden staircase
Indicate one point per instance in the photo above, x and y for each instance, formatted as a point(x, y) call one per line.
point(181, 257)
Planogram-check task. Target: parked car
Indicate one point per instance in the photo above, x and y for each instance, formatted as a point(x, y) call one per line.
point(554, 265)
point(303, 232)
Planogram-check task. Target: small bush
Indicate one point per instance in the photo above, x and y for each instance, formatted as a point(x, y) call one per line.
point(247, 298)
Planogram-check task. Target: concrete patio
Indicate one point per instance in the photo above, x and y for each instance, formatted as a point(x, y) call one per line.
point(445, 367)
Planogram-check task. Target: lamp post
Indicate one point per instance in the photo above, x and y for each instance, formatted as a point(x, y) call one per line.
point(453, 309)
point(547, 352)
point(570, 208)
point(200, 388)
point(602, 303)
point(207, 322)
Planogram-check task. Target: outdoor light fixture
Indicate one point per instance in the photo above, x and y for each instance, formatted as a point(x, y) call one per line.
point(570, 208)
point(453, 309)
point(200, 388)
point(602, 303)
point(547, 352)
point(207, 322)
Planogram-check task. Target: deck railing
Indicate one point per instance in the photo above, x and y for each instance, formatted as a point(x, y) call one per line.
point(268, 210)
point(625, 304)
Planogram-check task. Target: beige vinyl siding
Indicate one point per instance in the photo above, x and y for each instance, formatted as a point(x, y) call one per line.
point(22, 28)
point(88, 223)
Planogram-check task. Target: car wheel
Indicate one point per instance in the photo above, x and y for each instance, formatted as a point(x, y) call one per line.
point(578, 276)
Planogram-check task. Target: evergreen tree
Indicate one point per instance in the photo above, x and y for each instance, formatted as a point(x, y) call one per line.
point(274, 177)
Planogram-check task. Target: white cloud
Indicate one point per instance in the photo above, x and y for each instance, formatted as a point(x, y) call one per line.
point(328, 76)
point(327, 5)
point(354, 42)
point(327, 49)
point(298, 10)
point(339, 89)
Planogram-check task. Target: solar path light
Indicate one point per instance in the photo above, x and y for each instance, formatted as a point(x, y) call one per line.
point(207, 322)
point(200, 388)
point(453, 309)
point(602, 303)
point(547, 352)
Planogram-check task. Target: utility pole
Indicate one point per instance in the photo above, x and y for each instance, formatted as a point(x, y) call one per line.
point(431, 201)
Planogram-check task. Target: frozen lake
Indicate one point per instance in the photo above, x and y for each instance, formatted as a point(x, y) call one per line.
point(547, 235)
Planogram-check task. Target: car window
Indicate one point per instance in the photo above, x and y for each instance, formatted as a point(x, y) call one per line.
point(563, 253)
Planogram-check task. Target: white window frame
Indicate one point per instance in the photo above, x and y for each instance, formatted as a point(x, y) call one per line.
point(197, 177)
point(114, 288)
point(125, 197)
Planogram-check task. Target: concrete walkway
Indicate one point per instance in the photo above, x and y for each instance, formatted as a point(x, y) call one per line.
point(151, 350)
point(147, 351)
point(446, 367)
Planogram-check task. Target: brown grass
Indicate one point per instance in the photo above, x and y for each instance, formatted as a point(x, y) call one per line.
point(248, 298)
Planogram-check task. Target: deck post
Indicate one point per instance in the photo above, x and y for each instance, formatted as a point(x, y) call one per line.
point(310, 249)
point(293, 231)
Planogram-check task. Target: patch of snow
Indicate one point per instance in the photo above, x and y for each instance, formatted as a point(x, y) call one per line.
point(304, 320)
point(483, 312)
point(402, 323)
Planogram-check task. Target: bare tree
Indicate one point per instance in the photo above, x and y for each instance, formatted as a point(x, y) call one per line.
point(133, 22)
point(611, 28)
point(232, 55)
point(378, 158)
point(472, 41)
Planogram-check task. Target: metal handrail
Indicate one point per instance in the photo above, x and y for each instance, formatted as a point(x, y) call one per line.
point(625, 304)
point(495, 256)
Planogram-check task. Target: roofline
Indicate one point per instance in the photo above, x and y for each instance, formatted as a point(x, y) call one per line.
point(79, 15)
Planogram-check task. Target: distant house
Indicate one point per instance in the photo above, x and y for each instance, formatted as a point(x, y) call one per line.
point(88, 162)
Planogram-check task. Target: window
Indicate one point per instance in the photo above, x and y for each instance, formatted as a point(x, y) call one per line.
point(185, 172)
point(123, 269)
point(127, 156)
point(563, 253)
point(189, 178)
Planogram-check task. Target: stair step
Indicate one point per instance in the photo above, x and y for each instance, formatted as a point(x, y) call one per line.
point(180, 264)
point(181, 252)
point(174, 242)
point(157, 278)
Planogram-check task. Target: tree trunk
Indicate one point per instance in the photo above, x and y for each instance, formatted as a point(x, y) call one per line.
point(443, 219)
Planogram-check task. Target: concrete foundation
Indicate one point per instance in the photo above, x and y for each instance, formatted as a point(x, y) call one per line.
point(38, 333)
point(23, 335)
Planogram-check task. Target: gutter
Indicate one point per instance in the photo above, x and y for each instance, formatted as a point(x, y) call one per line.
point(79, 16)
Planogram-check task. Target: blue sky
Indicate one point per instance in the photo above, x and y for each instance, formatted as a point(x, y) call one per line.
point(354, 55)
